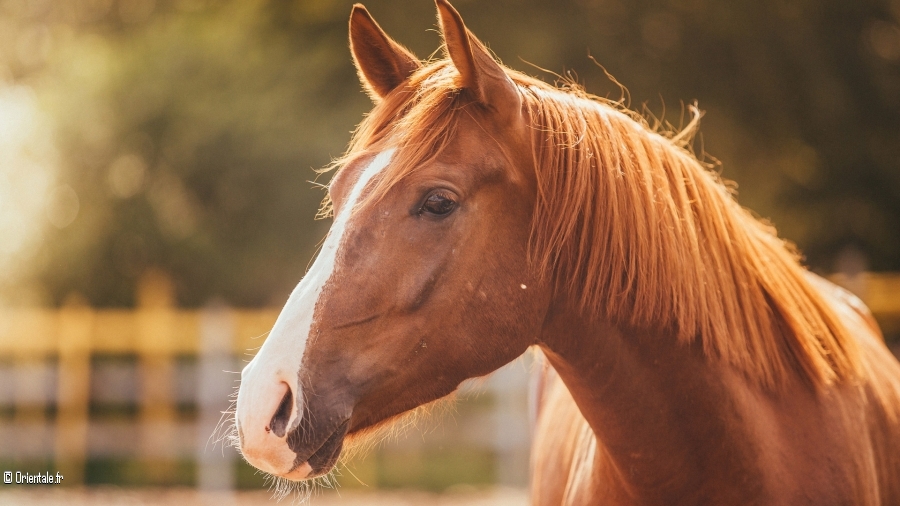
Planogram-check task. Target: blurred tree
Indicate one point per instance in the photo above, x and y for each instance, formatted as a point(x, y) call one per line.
point(187, 129)
point(189, 142)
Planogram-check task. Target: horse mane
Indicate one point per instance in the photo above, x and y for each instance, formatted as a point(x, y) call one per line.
point(634, 227)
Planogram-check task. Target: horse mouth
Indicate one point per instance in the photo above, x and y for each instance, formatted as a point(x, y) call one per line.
point(323, 460)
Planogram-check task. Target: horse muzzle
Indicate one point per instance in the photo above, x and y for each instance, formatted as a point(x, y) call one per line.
point(284, 437)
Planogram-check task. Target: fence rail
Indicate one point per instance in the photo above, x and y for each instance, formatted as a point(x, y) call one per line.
point(156, 335)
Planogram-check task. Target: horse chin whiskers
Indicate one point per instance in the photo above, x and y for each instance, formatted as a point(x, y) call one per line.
point(300, 492)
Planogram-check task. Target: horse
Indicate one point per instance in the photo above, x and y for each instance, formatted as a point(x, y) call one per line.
point(689, 357)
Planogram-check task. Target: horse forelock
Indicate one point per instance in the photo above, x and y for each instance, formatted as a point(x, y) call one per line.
point(634, 227)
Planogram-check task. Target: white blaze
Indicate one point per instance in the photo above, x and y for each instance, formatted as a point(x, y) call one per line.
point(278, 360)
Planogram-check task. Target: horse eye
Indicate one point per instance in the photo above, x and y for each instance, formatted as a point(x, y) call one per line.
point(438, 204)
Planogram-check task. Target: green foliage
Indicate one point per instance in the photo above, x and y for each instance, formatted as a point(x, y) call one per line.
point(190, 143)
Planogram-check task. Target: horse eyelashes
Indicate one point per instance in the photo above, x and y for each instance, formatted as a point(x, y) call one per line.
point(438, 203)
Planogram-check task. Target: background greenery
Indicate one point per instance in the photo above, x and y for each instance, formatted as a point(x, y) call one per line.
point(183, 134)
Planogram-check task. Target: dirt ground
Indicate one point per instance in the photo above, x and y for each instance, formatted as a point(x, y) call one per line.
point(108, 496)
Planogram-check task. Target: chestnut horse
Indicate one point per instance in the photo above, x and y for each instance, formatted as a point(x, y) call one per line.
point(479, 212)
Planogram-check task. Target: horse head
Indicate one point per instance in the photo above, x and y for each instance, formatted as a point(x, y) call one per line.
point(423, 280)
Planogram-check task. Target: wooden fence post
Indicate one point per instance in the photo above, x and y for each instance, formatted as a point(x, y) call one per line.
point(216, 383)
point(76, 322)
point(35, 342)
point(156, 371)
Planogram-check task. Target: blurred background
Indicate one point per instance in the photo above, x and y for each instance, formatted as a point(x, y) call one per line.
point(157, 194)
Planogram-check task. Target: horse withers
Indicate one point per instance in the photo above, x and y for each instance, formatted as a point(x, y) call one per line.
point(479, 212)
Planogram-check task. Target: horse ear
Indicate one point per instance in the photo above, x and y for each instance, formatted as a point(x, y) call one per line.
point(382, 63)
point(478, 70)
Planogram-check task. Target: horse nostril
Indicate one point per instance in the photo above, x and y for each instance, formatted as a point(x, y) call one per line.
point(282, 415)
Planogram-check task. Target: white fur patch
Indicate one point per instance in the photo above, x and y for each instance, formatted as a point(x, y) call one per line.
point(278, 360)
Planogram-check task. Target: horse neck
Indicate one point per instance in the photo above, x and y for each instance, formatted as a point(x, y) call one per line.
point(662, 412)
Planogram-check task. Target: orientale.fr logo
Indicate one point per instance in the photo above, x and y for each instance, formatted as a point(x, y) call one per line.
point(20, 478)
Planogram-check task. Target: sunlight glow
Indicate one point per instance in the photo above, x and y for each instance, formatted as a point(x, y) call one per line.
point(27, 169)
